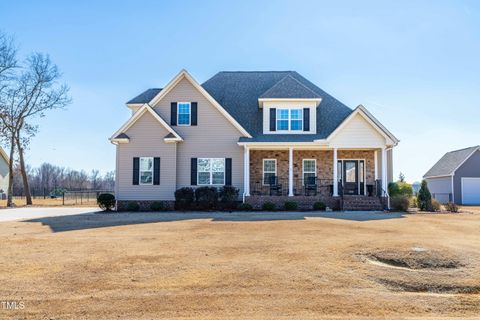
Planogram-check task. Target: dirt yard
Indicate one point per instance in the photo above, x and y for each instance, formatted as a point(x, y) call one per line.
point(242, 266)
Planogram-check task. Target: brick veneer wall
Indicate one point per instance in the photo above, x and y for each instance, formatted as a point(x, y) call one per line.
point(324, 164)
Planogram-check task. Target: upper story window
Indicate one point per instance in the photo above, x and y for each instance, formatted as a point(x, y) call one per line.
point(146, 170)
point(184, 112)
point(211, 171)
point(289, 119)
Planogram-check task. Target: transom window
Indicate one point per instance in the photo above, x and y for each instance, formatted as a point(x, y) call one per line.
point(289, 119)
point(309, 169)
point(211, 171)
point(183, 113)
point(146, 170)
point(269, 170)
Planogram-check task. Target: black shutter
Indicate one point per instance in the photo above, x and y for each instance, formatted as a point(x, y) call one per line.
point(193, 171)
point(194, 113)
point(156, 171)
point(273, 119)
point(173, 113)
point(136, 170)
point(306, 119)
point(228, 171)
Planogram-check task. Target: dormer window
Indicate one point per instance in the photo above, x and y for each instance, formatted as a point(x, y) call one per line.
point(289, 119)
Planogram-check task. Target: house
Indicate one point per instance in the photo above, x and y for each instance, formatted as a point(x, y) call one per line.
point(456, 177)
point(4, 161)
point(274, 135)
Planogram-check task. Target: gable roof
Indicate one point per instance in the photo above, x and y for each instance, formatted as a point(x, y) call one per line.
point(145, 96)
point(4, 155)
point(119, 134)
point(289, 87)
point(238, 92)
point(450, 162)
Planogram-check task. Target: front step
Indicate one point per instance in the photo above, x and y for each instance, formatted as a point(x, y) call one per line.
point(362, 203)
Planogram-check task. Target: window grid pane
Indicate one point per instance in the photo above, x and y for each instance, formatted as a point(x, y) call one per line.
point(183, 113)
point(309, 166)
point(211, 171)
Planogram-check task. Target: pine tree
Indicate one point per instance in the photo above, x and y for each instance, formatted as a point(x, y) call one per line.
point(424, 198)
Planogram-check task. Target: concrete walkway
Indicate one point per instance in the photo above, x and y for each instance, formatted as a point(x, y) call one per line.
point(39, 212)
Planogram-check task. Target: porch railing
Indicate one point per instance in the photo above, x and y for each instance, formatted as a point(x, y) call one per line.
point(279, 187)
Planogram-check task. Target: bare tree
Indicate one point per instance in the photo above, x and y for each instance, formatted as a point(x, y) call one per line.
point(34, 91)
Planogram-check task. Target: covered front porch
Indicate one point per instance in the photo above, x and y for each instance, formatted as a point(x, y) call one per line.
point(320, 173)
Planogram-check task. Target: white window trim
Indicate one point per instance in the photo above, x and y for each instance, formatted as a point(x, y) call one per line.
point(189, 114)
point(140, 171)
point(303, 169)
point(263, 170)
point(211, 173)
point(289, 119)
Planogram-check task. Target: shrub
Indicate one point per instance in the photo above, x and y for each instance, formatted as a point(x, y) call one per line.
point(206, 198)
point(319, 206)
point(228, 196)
point(245, 207)
point(268, 206)
point(158, 206)
point(400, 189)
point(184, 198)
point(413, 202)
point(436, 206)
point(290, 205)
point(106, 201)
point(400, 203)
point(451, 207)
point(424, 198)
point(133, 206)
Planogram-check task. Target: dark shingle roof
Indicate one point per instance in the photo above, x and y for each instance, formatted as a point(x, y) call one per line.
point(289, 87)
point(169, 136)
point(145, 96)
point(450, 162)
point(238, 93)
point(122, 136)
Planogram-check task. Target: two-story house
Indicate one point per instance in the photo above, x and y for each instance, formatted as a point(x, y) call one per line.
point(274, 135)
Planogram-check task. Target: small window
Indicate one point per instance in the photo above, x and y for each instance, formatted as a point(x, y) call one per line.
point(183, 114)
point(282, 119)
point(211, 171)
point(296, 119)
point(269, 170)
point(309, 169)
point(146, 170)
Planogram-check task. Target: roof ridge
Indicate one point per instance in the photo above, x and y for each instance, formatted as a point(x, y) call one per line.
point(258, 71)
point(463, 149)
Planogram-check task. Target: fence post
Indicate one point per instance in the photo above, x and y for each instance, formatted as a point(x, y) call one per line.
point(63, 198)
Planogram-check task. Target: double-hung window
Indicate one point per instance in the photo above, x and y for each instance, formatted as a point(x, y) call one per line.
point(184, 112)
point(146, 170)
point(309, 170)
point(211, 171)
point(269, 170)
point(289, 119)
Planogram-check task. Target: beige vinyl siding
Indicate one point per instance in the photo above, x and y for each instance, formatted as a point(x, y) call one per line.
point(213, 137)
point(358, 133)
point(146, 140)
point(3, 175)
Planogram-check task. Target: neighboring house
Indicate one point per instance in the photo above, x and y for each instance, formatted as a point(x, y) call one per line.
point(274, 135)
point(4, 161)
point(456, 177)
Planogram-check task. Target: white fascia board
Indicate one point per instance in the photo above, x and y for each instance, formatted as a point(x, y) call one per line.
point(184, 74)
point(262, 100)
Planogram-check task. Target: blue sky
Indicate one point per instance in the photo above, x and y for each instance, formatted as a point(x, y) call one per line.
point(414, 64)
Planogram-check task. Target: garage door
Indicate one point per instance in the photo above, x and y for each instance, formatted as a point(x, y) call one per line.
point(471, 191)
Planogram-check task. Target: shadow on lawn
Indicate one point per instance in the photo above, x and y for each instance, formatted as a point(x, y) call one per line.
point(102, 220)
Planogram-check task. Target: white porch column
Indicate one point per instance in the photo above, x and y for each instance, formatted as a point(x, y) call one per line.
point(290, 172)
point(384, 169)
point(335, 173)
point(375, 163)
point(246, 171)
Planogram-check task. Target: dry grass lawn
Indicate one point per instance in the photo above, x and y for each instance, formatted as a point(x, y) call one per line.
point(49, 202)
point(187, 266)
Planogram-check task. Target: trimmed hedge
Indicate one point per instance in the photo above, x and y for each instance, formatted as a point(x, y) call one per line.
point(245, 207)
point(106, 201)
point(290, 205)
point(184, 198)
point(319, 206)
point(158, 206)
point(133, 206)
point(228, 197)
point(268, 206)
point(206, 198)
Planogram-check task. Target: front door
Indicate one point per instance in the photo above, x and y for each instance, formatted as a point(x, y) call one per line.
point(350, 176)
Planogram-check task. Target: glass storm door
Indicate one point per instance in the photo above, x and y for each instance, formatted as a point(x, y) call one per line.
point(351, 177)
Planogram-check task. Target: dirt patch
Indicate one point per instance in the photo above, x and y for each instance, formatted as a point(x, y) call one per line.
point(416, 259)
point(408, 286)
